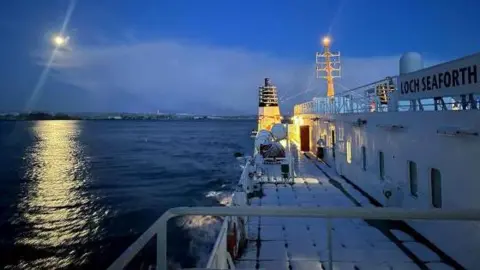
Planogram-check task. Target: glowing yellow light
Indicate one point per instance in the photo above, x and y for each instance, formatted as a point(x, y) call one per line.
point(295, 120)
point(59, 41)
point(326, 41)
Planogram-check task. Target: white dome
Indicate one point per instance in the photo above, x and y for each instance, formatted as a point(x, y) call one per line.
point(410, 62)
point(279, 132)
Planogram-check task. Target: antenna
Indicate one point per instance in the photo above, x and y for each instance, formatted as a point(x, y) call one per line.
point(328, 65)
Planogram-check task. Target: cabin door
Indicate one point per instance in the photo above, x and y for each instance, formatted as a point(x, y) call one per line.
point(305, 138)
point(333, 145)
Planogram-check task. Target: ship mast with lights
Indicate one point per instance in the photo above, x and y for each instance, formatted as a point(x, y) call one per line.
point(328, 66)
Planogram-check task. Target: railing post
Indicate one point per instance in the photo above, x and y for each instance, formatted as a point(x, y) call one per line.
point(329, 244)
point(162, 245)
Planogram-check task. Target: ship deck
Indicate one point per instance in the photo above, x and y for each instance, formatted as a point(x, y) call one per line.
point(301, 243)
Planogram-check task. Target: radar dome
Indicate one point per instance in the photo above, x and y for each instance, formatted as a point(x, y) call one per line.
point(410, 62)
point(279, 132)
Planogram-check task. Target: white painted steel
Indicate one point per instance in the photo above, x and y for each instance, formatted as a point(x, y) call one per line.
point(219, 257)
point(245, 182)
point(466, 69)
point(412, 130)
point(425, 141)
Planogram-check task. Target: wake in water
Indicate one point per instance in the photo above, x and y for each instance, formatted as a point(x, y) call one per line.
point(223, 198)
point(203, 230)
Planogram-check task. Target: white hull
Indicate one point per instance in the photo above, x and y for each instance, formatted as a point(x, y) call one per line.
point(456, 157)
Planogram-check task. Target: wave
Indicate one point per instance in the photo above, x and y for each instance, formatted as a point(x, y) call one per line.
point(203, 230)
point(222, 197)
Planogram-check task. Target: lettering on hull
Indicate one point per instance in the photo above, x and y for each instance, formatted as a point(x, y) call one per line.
point(453, 78)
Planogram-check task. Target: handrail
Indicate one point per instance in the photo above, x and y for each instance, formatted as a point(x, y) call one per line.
point(159, 228)
point(218, 242)
point(354, 100)
point(366, 85)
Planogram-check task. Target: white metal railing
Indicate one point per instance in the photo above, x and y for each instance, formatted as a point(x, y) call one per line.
point(219, 257)
point(159, 228)
point(446, 103)
point(356, 100)
point(363, 99)
point(245, 182)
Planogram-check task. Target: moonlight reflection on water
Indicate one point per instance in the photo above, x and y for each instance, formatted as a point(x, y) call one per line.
point(53, 203)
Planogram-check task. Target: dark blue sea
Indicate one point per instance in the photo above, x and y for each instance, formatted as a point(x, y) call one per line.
point(75, 194)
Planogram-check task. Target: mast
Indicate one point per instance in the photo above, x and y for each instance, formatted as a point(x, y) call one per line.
point(328, 66)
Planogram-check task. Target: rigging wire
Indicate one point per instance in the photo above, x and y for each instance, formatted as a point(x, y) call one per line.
point(308, 89)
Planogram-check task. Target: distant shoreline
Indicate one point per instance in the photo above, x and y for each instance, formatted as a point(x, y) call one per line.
point(125, 120)
point(116, 117)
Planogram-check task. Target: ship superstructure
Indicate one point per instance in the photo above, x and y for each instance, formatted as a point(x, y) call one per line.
point(378, 177)
point(408, 141)
point(268, 109)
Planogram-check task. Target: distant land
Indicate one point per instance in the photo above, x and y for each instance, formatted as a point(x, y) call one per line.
point(115, 116)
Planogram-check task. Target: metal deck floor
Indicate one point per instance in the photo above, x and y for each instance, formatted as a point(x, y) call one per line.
point(301, 243)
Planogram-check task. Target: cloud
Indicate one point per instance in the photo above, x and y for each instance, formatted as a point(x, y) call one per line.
point(179, 76)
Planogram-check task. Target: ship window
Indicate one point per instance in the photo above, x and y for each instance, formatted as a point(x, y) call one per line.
point(364, 158)
point(412, 175)
point(381, 164)
point(436, 185)
point(349, 151)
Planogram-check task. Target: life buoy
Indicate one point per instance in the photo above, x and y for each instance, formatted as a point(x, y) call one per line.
point(242, 241)
point(372, 106)
point(232, 241)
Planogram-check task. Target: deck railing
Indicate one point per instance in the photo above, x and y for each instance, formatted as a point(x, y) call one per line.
point(357, 100)
point(159, 228)
point(364, 99)
point(220, 258)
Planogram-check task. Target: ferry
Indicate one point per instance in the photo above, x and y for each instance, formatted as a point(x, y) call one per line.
point(383, 176)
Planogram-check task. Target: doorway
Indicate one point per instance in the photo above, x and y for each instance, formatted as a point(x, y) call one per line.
point(305, 138)
point(333, 144)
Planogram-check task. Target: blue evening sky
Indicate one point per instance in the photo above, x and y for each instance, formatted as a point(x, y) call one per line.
point(209, 56)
